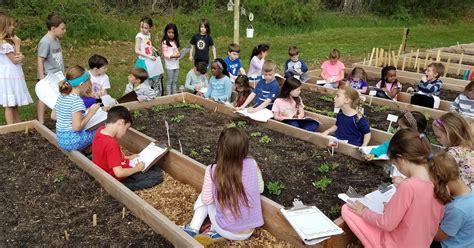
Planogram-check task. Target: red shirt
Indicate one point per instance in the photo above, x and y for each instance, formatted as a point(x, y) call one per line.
point(106, 153)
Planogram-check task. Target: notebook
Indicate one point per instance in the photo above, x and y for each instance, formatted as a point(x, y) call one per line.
point(97, 120)
point(129, 97)
point(374, 200)
point(262, 115)
point(150, 155)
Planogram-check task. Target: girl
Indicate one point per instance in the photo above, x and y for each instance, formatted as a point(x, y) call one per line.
point(201, 42)
point(257, 58)
point(333, 69)
point(230, 192)
point(220, 86)
point(388, 85)
point(464, 103)
point(358, 80)
point(243, 89)
point(69, 111)
point(13, 90)
point(350, 125)
point(454, 133)
point(289, 108)
point(412, 215)
point(170, 44)
point(457, 224)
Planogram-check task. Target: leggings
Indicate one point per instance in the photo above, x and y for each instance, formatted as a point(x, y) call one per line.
point(171, 81)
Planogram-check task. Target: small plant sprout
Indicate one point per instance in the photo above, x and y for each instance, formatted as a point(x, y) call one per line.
point(427, 116)
point(334, 165)
point(242, 124)
point(392, 129)
point(193, 153)
point(380, 109)
point(327, 98)
point(324, 168)
point(231, 125)
point(137, 114)
point(140, 128)
point(275, 188)
point(256, 134)
point(322, 183)
point(177, 119)
point(58, 179)
point(335, 210)
point(323, 112)
point(265, 139)
point(206, 150)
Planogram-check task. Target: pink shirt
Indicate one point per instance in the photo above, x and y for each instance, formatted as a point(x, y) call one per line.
point(411, 218)
point(330, 70)
point(286, 108)
point(255, 67)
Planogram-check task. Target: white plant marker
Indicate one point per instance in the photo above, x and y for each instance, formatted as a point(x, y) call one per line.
point(168, 133)
point(94, 220)
point(372, 93)
point(391, 118)
point(180, 147)
point(333, 143)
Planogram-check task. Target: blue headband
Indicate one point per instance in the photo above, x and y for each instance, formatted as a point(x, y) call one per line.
point(79, 80)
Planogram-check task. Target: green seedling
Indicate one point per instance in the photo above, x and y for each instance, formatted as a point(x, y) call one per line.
point(256, 134)
point(242, 124)
point(265, 139)
point(335, 210)
point(324, 168)
point(275, 188)
point(323, 183)
point(206, 150)
point(323, 112)
point(315, 154)
point(327, 98)
point(334, 165)
point(137, 114)
point(380, 108)
point(427, 116)
point(140, 128)
point(177, 119)
point(231, 125)
point(58, 179)
point(193, 153)
point(392, 129)
point(161, 108)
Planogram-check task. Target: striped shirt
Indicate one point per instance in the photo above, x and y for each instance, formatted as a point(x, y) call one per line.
point(65, 107)
point(463, 105)
point(430, 88)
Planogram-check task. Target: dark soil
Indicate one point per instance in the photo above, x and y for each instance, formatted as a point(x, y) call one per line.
point(284, 159)
point(43, 194)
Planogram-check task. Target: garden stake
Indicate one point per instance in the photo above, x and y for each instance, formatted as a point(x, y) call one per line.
point(447, 66)
point(372, 93)
point(123, 213)
point(94, 220)
point(391, 118)
point(215, 110)
point(363, 62)
point(426, 61)
point(168, 133)
point(460, 63)
point(438, 56)
point(180, 147)
point(403, 64)
point(66, 235)
point(389, 58)
point(26, 130)
point(418, 65)
point(377, 57)
point(409, 58)
point(395, 60)
point(416, 59)
point(371, 56)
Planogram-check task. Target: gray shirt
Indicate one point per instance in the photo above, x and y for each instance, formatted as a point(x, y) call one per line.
point(50, 49)
point(192, 79)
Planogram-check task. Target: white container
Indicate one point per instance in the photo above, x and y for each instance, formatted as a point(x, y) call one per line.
point(250, 31)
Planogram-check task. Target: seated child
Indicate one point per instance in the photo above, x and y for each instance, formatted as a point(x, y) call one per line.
point(106, 153)
point(243, 89)
point(295, 66)
point(358, 80)
point(232, 202)
point(135, 83)
point(266, 91)
point(196, 78)
point(411, 217)
point(220, 86)
point(98, 65)
point(69, 111)
point(333, 70)
point(350, 125)
point(234, 67)
point(457, 225)
point(429, 86)
point(388, 86)
point(464, 103)
point(257, 59)
point(289, 108)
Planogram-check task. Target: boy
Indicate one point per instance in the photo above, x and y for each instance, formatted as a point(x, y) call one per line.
point(98, 65)
point(233, 62)
point(266, 91)
point(50, 56)
point(106, 153)
point(135, 83)
point(429, 86)
point(196, 78)
point(295, 66)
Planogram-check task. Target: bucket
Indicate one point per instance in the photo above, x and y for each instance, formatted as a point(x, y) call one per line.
point(250, 31)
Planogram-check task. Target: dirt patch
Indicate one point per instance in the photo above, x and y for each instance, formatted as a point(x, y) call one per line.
point(43, 194)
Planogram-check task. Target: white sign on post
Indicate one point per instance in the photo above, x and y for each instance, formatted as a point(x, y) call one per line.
point(333, 143)
point(391, 118)
point(372, 93)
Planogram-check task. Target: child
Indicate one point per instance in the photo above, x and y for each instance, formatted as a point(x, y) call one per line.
point(266, 90)
point(257, 58)
point(295, 66)
point(454, 133)
point(388, 86)
point(464, 103)
point(170, 44)
point(50, 56)
point(412, 215)
point(135, 83)
point(350, 125)
point(243, 89)
point(220, 86)
point(69, 111)
point(230, 193)
point(289, 108)
point(98, 65)
point(457, 224)
point(333, 69)
point(233, 62)
point(429, 86)
point(196, 78)
point(201, 42)
point(358, 80)
point(13, 90)
point(106, 153)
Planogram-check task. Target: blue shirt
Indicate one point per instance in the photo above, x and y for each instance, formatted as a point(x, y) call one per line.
point(458, 222)
point(264, 91)
point(65, 107)
point(431, 88)
point(351, 129)
point(219, 89)
point(233, 66)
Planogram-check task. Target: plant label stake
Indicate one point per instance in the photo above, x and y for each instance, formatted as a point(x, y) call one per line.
point(123, 213)
point(168, 133)
point(391, 118)
point(180, 147)
point(181, 88)
point(94, 220)
point(372, 93)
point(66, 235)
point(333, 143)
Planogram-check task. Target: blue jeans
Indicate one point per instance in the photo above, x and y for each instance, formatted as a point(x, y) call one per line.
point(306, 124)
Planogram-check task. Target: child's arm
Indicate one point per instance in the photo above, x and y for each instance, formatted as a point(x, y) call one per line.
point(15, 58)
point(366, 141)
point(121, 172)
point(341, 74)
point(263, 105)
point(455, 105)
point(242, 71)
point(330, 130)
point(206, 192)
point(191, 53)
point(430, 87)
point(276, 112)
point(78, 121)
point(304, 67)
point(247, 101)
point(363, 90)
point(214, 52)
point(301, 110)
point(128, 88)
point(453, 221)
point(40, 68)
point(286, 65)
point(146, 94)
point(187, 83)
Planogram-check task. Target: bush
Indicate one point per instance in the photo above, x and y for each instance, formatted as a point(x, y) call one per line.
point(285, 12)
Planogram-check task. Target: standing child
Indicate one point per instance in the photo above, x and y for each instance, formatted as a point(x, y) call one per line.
point(350, 125)
point(50, 56)
point(196, 78)
point(106, 153)
point(289, 108)
point(429, 86)
point(454, 133)
point(388, 86)
point(333, 69)
point(266, 91)
point(136, 83)
point(257, 58)
point(170, 44)
point(412, 216)
point(233, 61)
point(69, 111)
point(98, 65)
point(201, 42)
point(220, 86)
point(358, 80)
point(13, 90)
point(242, 86)
point(230, 193)
point(464, 103)
point(295, 66)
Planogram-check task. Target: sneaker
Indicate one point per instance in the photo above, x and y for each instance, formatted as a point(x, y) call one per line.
point(209, 238)
point(187, 229)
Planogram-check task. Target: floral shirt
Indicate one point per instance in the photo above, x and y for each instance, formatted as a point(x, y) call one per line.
point(465, 159)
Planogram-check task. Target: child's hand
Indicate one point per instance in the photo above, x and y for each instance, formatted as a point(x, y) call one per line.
point(251, 110)
point(369, 157)
point(140, 166)
point(357, 207)
point(153, 58)
point(410, 90)
point(140, 98)
point(424, 78)
point(397, 180)
point(239, 108)
point(197, 87)
point(94, 107)
point(191, 58)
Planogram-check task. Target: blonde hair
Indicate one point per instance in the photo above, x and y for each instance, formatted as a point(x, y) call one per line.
point(334, 54)
point(353, 95)
point(5, 22)
point(443, 168)
point(438, 68)
point(269, 66)
point(76, 71)
point(456, 128)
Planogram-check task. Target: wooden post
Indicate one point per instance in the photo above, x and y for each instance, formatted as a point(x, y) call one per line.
point(382, 55)
point(405, 38)
point(460, 63)
point(395, 59)
point(399, 50)
point(438, 56)
point(236, 20)
point(417, 65)
point(409, 58)
point(363, 62)
point(371, 56)
point(94, 220)
point(416, 59)
point(389, 57)
point(377, 57)
point(403, 64)
point(123, 213)
point(426, 61)
point(447, 66)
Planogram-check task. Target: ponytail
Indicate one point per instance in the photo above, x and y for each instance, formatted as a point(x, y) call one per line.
point(64, 87)
point(75, 76)
point(443, 168)
point(259, 49)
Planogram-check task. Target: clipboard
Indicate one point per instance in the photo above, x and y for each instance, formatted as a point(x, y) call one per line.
point(129, 97)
